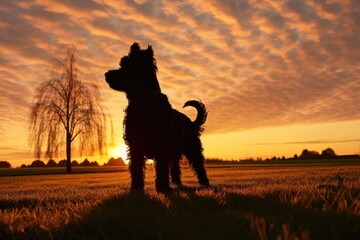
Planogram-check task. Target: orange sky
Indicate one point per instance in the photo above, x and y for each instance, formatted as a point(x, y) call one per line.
point(276, 77)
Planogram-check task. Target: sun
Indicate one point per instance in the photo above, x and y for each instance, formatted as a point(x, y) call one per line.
point(119, 151)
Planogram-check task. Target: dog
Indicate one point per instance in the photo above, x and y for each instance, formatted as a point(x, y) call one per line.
point(152, 128)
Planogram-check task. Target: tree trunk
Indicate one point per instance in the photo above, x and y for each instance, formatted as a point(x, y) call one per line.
point(68, 152)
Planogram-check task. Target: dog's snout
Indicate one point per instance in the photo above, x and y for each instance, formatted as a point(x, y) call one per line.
point(114, 73)
point(108, 75)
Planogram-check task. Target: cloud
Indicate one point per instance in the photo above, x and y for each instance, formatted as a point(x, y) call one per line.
point(253, 64)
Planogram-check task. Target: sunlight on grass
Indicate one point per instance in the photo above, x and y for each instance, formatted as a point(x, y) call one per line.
point(290, 202)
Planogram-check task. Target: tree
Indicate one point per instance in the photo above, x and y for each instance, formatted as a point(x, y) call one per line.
point(5, 164)
point(94, 164)
point(51, 163)
point(62, 163)
point(85, 163)
point(115, 162)
point(328, 153)
point(74, 163)
point(67, 109)
point(37, 163)
point(306, 154)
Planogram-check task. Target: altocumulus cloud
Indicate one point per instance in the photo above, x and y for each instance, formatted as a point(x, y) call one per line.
point(254, 63)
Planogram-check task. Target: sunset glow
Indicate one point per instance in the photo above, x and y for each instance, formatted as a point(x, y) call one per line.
point(119, 151)
point(276, 77)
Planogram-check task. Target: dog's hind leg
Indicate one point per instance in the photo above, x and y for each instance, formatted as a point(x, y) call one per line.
point(194, 153)
point(137, 167)
point(175, 171)
point(162, 175)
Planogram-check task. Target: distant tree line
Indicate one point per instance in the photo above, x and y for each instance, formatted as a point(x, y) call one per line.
point(326, 154)
point(306, 154)
point(52, 163)
point(62, 163)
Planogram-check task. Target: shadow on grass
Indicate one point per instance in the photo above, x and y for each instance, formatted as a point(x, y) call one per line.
point(136, 215)
point(206, 214)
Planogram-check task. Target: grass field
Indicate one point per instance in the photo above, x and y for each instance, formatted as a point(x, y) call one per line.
point(275, 201)
point(58, 170)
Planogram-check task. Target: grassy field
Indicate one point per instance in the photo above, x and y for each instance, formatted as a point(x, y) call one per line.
point(58, 170)
point(277, 201)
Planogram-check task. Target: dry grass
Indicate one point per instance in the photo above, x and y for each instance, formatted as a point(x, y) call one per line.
point(256, 202)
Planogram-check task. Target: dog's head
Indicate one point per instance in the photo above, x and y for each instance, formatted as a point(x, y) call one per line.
point(137, 72)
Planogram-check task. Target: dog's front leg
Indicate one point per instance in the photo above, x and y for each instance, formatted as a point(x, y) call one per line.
point(137, 167)
point(175, 171)
point(162, 175)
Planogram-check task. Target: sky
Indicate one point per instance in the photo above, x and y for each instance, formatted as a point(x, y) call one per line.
point(276, 76)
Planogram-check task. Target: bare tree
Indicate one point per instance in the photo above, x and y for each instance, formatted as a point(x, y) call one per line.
point(66, 109)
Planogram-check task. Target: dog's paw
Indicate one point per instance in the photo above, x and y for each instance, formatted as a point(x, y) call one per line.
point(137, 188)
point(164, 189)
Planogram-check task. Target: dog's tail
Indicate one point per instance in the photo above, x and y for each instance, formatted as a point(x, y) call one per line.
point(201, 115)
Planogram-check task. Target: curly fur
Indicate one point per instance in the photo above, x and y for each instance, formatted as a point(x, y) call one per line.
point(153, 129)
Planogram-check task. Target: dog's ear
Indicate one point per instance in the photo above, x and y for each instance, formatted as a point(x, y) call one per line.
point(123, 61)
point(150, 51)
point(134, 49)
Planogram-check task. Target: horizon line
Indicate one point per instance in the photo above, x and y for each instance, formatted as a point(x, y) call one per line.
point(307, 142)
